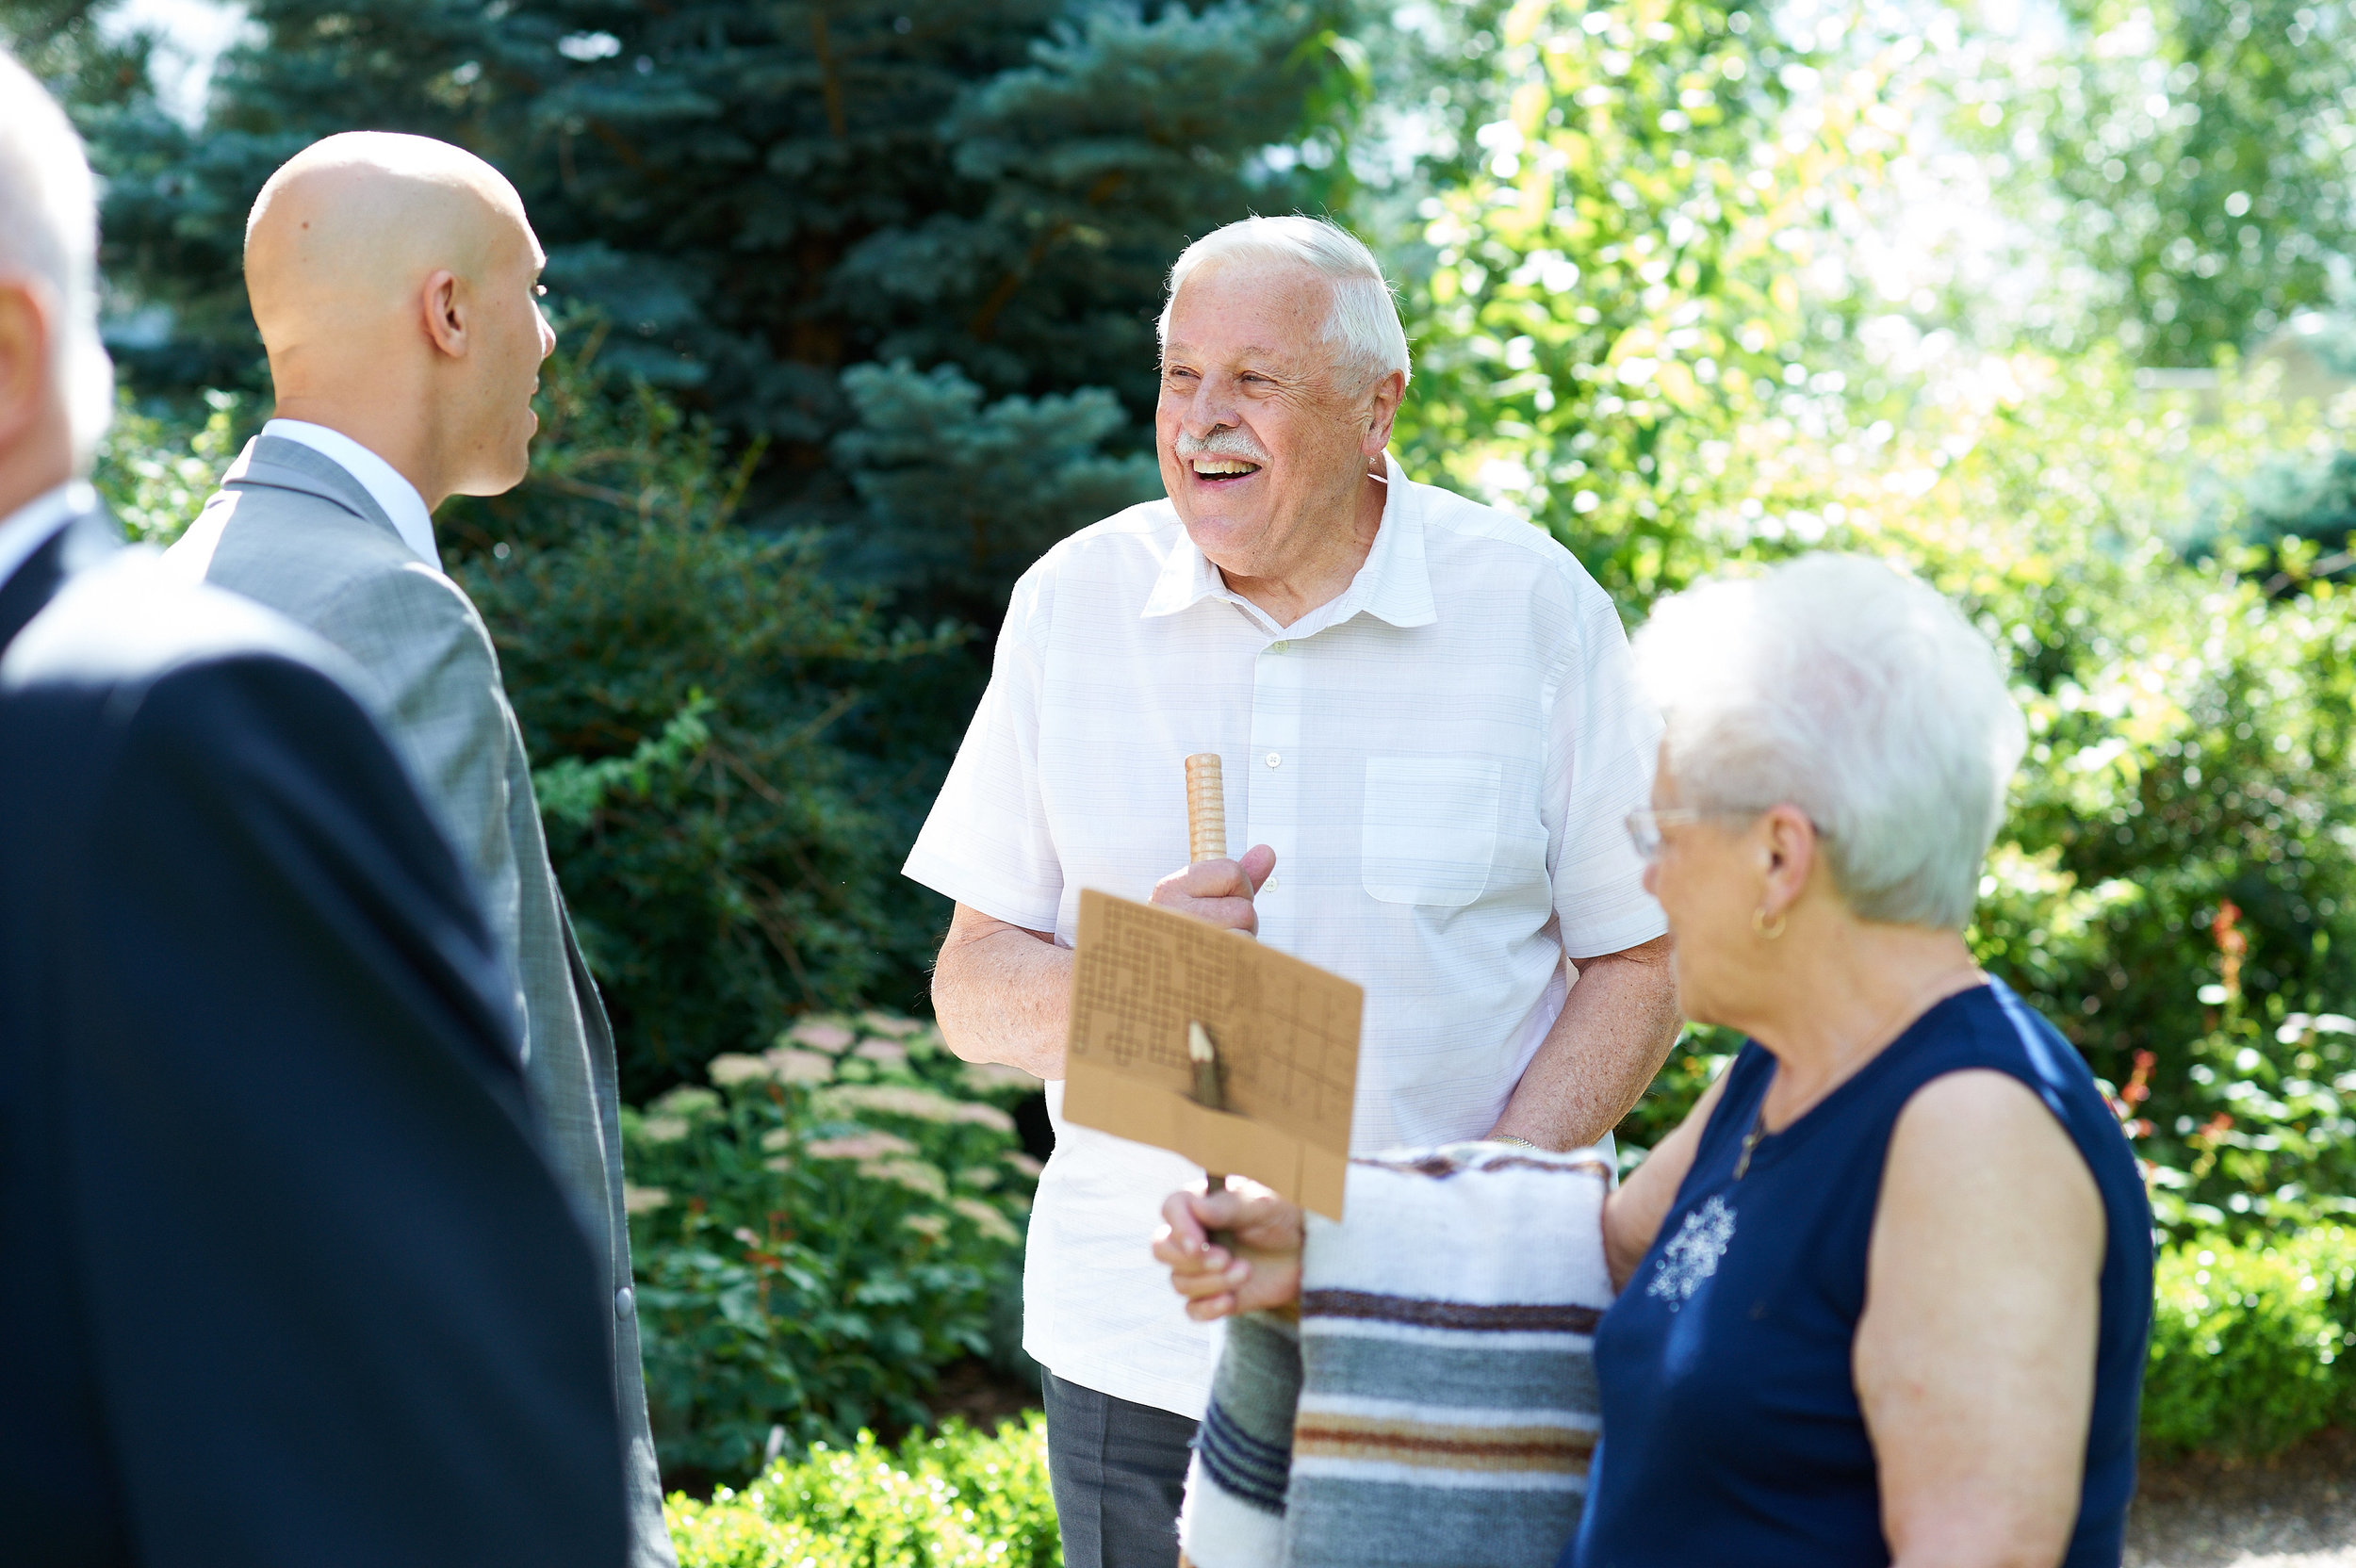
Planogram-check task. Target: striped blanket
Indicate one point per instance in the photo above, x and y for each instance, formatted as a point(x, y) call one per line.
point(1435, 1405)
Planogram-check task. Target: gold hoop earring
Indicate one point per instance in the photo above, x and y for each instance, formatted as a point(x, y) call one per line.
point(1761, 924)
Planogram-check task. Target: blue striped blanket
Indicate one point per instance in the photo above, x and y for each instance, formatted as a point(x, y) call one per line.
point(1434, 1407)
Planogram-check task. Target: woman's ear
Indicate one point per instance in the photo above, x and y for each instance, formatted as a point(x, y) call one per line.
point(1789, 841)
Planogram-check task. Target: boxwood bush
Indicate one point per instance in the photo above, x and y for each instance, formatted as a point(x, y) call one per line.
point(958, 1499)
point(2253, 1347)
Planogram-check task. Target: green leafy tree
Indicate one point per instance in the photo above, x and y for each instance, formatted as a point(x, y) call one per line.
point(2197, 154)
point(2171, 885)
point(1600, 296)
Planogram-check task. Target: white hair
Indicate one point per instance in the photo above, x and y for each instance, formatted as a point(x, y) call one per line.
point(49, 233)
point(1862, 697)
point(1364, 321)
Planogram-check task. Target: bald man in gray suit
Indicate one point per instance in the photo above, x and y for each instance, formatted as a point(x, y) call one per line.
point(395, 282)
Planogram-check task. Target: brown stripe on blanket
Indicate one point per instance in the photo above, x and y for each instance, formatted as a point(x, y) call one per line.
point(1519, 1318)
point(1445, 1166)
point(1444, 1447)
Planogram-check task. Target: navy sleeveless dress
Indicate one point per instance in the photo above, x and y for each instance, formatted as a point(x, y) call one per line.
point(1731, 1431)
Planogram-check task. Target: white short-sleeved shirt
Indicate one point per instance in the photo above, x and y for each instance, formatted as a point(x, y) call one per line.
point(1441, 758)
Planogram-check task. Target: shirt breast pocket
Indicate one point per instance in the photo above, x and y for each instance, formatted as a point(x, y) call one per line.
point(1429, 829)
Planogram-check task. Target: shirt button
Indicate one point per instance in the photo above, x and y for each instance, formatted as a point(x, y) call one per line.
point(625, 1303)
point(1280, 647)
point(1269, 886)
point(1274, 760)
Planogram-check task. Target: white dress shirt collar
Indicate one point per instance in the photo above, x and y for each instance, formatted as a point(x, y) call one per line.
point(32, 525)
point(1393, 585)
point(383, 482)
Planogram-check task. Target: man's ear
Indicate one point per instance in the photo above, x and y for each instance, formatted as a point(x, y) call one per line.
point(28, 362)
point(444, 303)
point(1382, 408)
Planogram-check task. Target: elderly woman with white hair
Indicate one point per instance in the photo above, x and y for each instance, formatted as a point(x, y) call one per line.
point(1884, 1295)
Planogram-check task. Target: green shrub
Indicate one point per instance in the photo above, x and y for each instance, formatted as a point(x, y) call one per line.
point(2252, 1344)
point(2191, 732)
point(743, 868)
point(817, 1235)
point(160, 460)
point(961, 1499)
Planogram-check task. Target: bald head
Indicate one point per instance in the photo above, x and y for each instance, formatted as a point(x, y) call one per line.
point(356, 223)
point(393, 279)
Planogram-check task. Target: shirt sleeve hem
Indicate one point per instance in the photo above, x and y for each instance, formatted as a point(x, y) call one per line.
point(976, 889)
point(1634, 928)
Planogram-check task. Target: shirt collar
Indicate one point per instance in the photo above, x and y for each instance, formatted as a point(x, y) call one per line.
point(32, 525)
point(1394, 584)
point(395, 494)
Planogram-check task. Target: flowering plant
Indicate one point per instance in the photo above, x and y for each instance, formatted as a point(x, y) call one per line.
point(2265, 1139)
point(817, 1234)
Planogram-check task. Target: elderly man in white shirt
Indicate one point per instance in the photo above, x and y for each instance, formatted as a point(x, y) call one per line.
point(1431, 737)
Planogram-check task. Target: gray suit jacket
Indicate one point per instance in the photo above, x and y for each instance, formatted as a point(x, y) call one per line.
point(290, 529)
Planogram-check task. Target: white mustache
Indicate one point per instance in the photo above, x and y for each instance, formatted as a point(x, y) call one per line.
point(1226, 441)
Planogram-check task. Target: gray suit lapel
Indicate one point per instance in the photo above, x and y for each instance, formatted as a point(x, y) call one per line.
point(272, 462)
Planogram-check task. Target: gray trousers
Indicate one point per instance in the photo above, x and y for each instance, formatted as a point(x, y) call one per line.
point(1119, 1470)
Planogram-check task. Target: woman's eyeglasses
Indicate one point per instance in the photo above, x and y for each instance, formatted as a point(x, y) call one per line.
point(1645, 826)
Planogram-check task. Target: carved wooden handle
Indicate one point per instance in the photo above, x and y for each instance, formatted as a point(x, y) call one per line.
point(1206, 839)
point(1206, 808)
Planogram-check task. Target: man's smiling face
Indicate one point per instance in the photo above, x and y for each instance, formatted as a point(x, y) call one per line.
point(1263, 438)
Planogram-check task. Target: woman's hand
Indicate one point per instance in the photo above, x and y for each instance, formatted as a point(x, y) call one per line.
point(1263, 1269)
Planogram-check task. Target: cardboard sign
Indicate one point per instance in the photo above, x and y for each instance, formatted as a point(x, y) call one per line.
point(1286, 1033)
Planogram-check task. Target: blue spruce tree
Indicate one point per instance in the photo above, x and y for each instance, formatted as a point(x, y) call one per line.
point(901, 260)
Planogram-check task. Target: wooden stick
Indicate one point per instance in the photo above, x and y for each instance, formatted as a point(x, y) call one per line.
point(1206, 809)
point(1209, 1092)
point(1206, 839)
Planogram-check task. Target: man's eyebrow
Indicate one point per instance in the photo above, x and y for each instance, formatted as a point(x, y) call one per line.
point(1259, 351)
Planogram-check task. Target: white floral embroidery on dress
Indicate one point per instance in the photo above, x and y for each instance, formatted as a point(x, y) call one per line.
point(1692, 1255)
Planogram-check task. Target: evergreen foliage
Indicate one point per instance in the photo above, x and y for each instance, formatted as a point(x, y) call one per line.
point(727, 770)
point(884, 279)
point(759, 197)
point(962, 498)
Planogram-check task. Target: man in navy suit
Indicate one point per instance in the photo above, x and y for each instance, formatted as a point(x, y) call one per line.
point(290, 1280)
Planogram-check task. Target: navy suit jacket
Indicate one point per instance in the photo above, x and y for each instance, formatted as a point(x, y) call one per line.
point(288, 1279)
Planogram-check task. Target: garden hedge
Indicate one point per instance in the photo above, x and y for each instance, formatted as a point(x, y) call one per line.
point(2253, 1347)
point(959, 1499)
